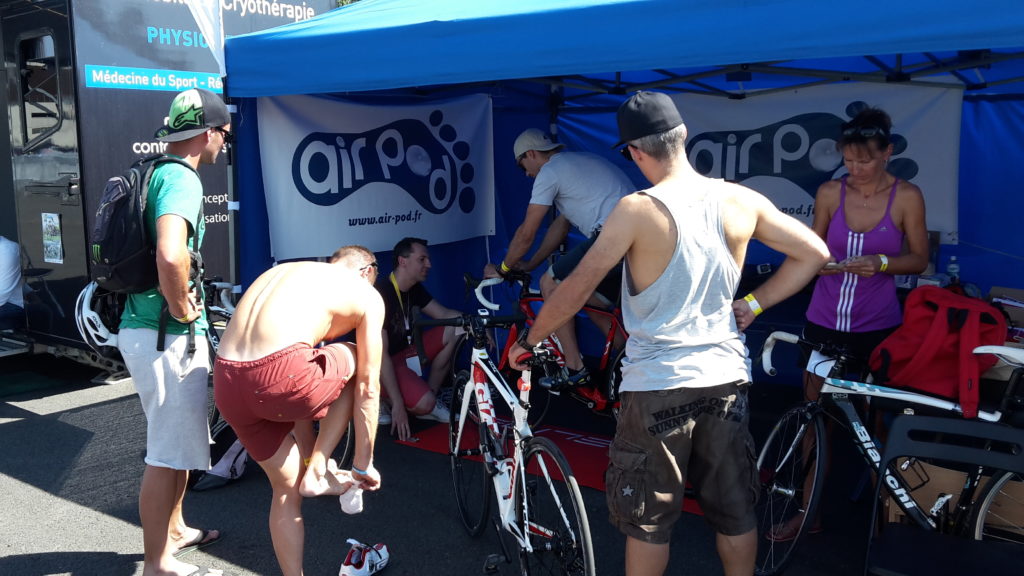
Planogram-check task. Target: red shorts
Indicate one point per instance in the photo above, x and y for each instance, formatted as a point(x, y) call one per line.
point(262, 399)
point(412, 386)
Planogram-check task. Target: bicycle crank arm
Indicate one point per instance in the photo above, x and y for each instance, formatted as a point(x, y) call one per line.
point(492, 561)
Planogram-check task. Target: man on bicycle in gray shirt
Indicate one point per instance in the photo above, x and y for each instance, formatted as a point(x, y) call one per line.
point(584, 188)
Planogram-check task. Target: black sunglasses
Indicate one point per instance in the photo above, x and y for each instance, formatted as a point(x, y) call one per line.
point(519, 161)
point(866, 131)
point(370, 265)
point(229, 137)
point(626, 153)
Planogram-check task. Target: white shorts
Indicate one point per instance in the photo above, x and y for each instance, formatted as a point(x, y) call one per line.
point(174, 390)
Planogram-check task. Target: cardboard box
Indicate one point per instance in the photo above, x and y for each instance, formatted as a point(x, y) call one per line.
point(946, 481)
point(928, 482)
point(1008, 297)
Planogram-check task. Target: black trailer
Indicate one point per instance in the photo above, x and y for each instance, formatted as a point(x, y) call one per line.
point(86, 83)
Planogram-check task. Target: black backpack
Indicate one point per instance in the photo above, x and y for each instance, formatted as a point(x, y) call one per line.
point(122, 257)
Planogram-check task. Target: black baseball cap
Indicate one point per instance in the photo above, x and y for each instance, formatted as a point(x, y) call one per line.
point(193, 112)
point(646, 113)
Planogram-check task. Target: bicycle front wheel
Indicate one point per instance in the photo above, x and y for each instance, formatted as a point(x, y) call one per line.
point(791, 469)
point(550, 510)
point(999, 513)
point(469, 474)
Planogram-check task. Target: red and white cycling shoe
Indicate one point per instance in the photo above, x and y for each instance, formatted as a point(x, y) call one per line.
point(363, 560)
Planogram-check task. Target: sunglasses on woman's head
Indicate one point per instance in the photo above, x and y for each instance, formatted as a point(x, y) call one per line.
point(866, 131)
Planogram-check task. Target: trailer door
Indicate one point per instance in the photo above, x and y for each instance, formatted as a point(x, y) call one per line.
point(45, 165)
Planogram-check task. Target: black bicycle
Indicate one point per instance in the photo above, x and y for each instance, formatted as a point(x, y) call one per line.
point(791, 464)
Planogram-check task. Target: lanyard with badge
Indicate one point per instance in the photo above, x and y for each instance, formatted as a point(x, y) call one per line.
point(413, 362)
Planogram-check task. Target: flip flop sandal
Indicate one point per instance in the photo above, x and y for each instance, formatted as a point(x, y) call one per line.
point(202, 540)
point(204, 571)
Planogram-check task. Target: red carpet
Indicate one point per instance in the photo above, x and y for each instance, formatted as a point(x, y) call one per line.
point(587, 453)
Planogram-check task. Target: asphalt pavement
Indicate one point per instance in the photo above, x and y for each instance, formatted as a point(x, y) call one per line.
point(71, 459)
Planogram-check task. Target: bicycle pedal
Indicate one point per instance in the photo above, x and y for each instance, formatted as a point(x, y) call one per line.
point(501, 541)
point(491, 563)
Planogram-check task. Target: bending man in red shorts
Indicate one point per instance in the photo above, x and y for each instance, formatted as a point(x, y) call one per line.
point(271, 382)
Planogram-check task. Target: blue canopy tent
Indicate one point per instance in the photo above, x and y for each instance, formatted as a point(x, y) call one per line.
point(568, 63)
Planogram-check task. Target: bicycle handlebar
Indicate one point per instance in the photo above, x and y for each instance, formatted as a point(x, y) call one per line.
point(769, 345)
point(512, 276)
point(479, 291)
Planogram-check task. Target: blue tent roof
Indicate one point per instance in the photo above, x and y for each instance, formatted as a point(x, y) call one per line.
point(619, 45)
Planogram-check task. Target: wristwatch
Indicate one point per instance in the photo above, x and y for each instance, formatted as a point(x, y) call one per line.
point(522, 341)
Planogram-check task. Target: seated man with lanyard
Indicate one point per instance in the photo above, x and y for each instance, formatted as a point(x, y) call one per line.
point(584, 188)
point(401, 376)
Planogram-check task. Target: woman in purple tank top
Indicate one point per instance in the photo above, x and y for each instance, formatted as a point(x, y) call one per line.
point(864, 217)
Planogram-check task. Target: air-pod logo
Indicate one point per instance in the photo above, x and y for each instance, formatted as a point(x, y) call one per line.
point(429, 162)
point(800, 149)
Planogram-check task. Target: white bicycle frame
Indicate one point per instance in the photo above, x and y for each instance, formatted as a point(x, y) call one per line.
point(509, 470)
point(841, 386)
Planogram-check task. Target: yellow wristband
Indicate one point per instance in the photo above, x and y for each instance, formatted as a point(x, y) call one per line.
point(754, 306)
point(504, 267)
point(885, 262)
point(182, 320)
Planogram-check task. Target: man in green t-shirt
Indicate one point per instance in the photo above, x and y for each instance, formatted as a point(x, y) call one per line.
point(172, 384)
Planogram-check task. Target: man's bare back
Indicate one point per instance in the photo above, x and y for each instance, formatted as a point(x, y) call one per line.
point(293, 308)
point(297, 302)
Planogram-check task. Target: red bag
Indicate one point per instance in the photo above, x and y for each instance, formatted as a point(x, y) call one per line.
point(933, 350)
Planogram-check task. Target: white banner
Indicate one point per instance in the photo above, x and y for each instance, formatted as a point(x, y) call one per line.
point(337, 173)
point(783, 144)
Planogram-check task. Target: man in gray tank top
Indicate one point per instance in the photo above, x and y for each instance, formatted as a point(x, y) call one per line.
point(684, 409)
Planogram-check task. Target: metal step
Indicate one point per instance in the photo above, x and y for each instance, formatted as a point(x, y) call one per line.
point(12, 346)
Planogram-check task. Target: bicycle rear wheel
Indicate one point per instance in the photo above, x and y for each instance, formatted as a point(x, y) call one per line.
point(469, 474)
point(999, 513)
point(615, 381)
point(218, 322)
point(791, 469)
point(553, 515)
